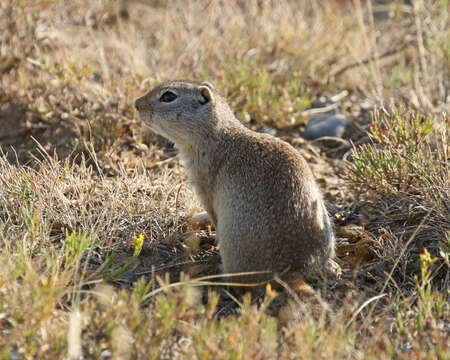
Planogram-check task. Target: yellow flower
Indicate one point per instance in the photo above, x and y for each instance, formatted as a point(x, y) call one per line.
point(425, 258)
point(138, 241)
point(271, 294)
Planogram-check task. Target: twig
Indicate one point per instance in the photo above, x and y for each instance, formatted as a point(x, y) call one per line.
point(205, 281)
point(367, 302)
point(333, 138)
point(230, 295)
point(164, 162)
point(313, 111)
point(338, 97)
point(165, 267)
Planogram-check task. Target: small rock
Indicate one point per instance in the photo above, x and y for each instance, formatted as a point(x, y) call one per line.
point(129, 277)
point(324, 125)
point(15, 355)
point(266, 130)
point(351, 232)
point(106, 354)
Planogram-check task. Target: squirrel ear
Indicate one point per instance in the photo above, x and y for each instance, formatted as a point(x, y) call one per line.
point(208, 84)
point(206, 94)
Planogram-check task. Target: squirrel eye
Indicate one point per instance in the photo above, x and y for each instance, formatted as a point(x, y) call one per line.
point(168, 96)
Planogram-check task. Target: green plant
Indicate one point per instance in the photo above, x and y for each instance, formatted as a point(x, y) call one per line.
point(265, 98)
point(429, 304)
point(76, 245)
point(32, 222)
point(399, 157)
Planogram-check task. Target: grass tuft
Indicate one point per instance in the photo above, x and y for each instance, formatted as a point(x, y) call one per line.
point(99, 258)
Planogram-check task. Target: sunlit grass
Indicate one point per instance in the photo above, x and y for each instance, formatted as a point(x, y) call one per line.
point(95, 255)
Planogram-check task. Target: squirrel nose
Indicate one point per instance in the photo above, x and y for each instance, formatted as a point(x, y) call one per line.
point(139, 103)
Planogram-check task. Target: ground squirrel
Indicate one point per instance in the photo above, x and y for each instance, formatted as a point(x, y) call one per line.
point(257, 189)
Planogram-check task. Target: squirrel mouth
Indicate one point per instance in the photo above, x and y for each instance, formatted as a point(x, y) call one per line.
point(145, 117)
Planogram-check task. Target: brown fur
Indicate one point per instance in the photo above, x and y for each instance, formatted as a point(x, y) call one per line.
point(257, 189)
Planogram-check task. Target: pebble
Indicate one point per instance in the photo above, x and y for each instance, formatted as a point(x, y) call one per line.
point(267, 130)
point(324, 125)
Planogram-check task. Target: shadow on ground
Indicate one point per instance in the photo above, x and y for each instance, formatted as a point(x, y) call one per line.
point(22, 131)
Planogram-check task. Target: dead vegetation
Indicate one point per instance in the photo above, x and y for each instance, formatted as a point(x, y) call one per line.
point(99, 258)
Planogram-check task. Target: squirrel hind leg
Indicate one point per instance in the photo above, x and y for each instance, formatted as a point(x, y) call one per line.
point(201, 220)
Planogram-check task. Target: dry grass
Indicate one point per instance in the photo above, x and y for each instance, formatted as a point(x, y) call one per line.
point(97, 250)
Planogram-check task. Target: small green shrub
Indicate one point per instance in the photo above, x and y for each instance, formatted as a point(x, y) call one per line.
point(399, 157)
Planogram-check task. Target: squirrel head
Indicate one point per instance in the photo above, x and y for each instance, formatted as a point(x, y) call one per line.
point(182, 111)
